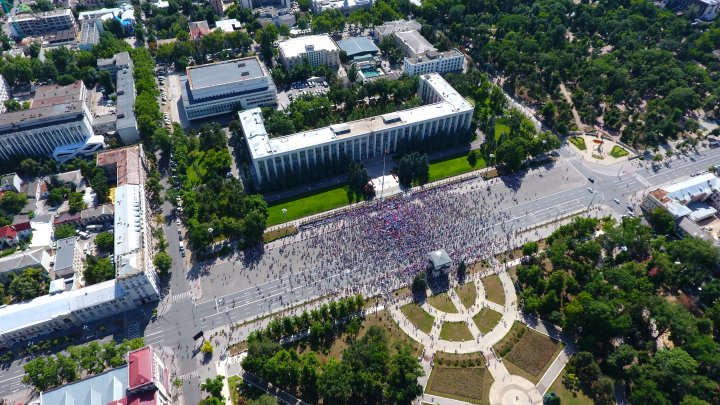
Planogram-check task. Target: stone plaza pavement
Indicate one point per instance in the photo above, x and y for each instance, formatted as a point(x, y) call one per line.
point(506, 388)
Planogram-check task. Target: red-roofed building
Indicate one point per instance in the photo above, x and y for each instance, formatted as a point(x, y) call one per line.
point(23, 229)
point(8, 236)
point(146, 372)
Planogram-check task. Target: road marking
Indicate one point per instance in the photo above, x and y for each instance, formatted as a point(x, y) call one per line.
point(182, 296)
point(188, 376)
point(12, 378)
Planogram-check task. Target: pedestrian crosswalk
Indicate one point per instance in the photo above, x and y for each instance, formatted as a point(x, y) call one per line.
point(182, 296)
point(190, 375)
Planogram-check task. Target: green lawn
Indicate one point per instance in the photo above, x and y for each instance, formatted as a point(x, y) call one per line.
point(233, 382)
point(501, 127)
point(493, 289)
point(444, 168)
point(418, 317)
point(443, 303)
point(579, 142)
point(486, 319)
point(467, 294)
point(304, 206)
point(455, 332)
point(618, 152)
point(568, 397)
point(526, 352)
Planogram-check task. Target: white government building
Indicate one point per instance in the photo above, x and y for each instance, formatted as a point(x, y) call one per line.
point(422, 57)
point(219, 88)
point(444, 109)
point(317, 49)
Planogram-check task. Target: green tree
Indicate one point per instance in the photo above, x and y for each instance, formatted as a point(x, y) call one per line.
point(29, 284)
point(207, 348)
point(76, 202)
point(213, 386)
point(105, 242)
point(64, 231)
point(13, 203)
point(334, 382)
point(41, 373)
point(163, 263)
point(98, 270)
point(404, 372)
point(663, 221)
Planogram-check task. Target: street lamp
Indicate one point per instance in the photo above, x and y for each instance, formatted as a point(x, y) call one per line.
point(210, 231)
point(284, 211)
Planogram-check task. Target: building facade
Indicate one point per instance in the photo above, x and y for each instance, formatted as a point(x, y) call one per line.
point(223, 87)
point(344, 6)
point(58, 124)
point(317, 49)
point(422, 57)
point(5, 93)
point(90, 31)
point(68, 259)
point(444, 111)
point(50, 22)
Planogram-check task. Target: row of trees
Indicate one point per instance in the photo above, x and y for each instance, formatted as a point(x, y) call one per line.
point(214, 204)
point(47, 372)
point(370, 372)
point(608, 291)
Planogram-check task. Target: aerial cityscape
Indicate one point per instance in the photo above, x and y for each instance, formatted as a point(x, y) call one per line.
point(360, 202)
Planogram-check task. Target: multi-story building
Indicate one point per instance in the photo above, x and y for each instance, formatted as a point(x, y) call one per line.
point(344, 6)
point(444, 111)
point(58, 124)
point(317, 49)
point(277, 16)
point(218, 6)
point(126, 124)
point(68, 259)
point(224, 87)
point(707, 9)
point(422, 57)
point(90, 31)
point(134, 270)
point(391, 27)
point(142, 381)
point(50, 22)
point(5, 93)
point(63, 311)
point(264, 3)
point(118, 62)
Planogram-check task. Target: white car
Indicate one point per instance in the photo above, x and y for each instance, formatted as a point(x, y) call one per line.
point(590, 189)
point(616, 201)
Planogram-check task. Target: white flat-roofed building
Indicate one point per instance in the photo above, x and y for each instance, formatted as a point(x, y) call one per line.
point(445, 110)
point(229, 25)
point(134, 269)
point(391, 27)
point(90, 31)
point(422, 57)
point(344, 6)
point(61, 311)
point(223, 87)
point(317, 49)
point(58, 124)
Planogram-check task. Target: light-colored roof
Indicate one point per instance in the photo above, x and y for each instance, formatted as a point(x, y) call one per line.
point(416, 42)
point(692, 188)
point(23, 260)
point(224, 73)
point(358, 46)
point(391, 27)
point(322, 5)
point(100, 389)
point(229, 25)
point(48, 307)
point(296, 47)
point(129, 229)
point(261, 145)
point(439, 258)
point(65, 253)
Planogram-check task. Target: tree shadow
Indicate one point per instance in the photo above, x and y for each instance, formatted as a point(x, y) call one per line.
point(439, 284)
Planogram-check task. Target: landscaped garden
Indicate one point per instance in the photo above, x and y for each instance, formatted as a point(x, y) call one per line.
point(467, 294)
point(578, 141)
point(493, 289)
point(618, 152)
point(442, 302)
point(462, 377)
point(455, 332)
point(418, 317)
point(568, 397)
point(487, 319)
point(501, 127)
point(448, 167)
point(526, 352)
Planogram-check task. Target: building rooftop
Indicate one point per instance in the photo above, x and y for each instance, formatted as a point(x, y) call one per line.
point(439, 259)
point(47, 14)
point(416, 42)
point(430, 55)
point(229, 25)
point(127, 162)
point(392, 27)
point(48, 307)
point(100, 389)
point(41, 117)
point(125, 105)
point(37, 257)
point(295, 47)
point(322, 5)
point(64, 253)
point(261, 145)
point(199, 29)
point(224, 73)
point(690, 189)
point(140, 363)
point(358, 46)
point(89, 33)
point(129, 230)
point(119, 59)
point(53, 94)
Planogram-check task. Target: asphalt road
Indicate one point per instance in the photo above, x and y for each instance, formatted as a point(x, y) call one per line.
point(203, 297)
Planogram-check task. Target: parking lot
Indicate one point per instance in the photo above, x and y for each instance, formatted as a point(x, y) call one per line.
point(298, 89)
